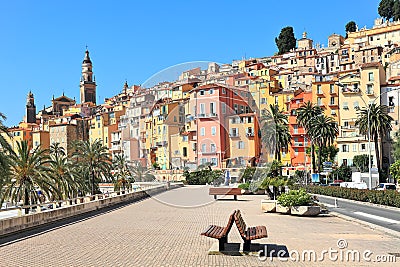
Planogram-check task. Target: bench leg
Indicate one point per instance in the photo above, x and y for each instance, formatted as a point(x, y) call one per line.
point(222, 242)
point(246, 245)
point(215, 196)
point(235, 197)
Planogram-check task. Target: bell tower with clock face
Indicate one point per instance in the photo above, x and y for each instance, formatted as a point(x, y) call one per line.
point(88, 82)
point(335, 41)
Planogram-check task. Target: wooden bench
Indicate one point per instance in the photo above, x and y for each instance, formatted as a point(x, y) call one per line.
point(225, 191)
point(251, 233)
point(220, 233)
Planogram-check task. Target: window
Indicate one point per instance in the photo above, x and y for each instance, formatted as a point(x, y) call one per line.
point(319, 101)
point(354, 147)
point(319, 91)
point(344, 162)
point(346, 124)
point(240, 145)
point(363, 147)
point(213, 108)
point(345, 105)
point(234, 132)
point(296, 151)
point(356, 105)
point(202, 92)
point(214, 161)
point(371, 76)
point(370, 89)
point(184, 152)
point(203, 148)
point(202, 131)
point(223, 90)
point(332, 102)
point(185, 138)
point(211, 91)
point(223, 108)
point(236, 108)
point(263, 100)
point(332, 89)
point(295, 128)
point(202, 108)
point(213, 130)
point(213, 148)
point(345, 148)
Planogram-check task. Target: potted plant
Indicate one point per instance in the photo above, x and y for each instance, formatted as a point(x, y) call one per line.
point(245, 188)
point(298, 202)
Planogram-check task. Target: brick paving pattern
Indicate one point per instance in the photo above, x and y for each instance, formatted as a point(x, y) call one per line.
point(153, 233)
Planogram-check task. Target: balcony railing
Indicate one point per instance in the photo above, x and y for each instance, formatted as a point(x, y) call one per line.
point(348, 90)
point(250, 134)
point(233, 135)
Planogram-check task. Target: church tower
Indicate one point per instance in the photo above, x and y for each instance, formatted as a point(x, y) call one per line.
point(30, 108)
point(88, 82)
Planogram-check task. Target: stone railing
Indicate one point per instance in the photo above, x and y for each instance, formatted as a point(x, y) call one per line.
point(53, 211)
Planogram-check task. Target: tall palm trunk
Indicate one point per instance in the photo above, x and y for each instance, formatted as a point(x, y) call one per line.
point(377, 154)
point(313, 157)
point(26, 200)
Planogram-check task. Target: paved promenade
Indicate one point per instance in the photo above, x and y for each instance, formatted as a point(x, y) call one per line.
point(165, 231)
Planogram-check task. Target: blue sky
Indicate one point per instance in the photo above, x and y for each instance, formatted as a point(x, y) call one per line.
point(43, 42)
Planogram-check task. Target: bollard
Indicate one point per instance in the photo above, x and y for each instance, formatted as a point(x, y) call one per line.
point(336, 203)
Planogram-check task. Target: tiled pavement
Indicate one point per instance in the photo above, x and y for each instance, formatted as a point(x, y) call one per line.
point(165, 231)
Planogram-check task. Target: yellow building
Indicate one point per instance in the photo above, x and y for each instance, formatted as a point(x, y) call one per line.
point(326, 95)
point(357, 89)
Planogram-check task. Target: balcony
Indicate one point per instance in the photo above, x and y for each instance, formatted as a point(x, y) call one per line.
point(333, 93)
point(212, 115)
point(298, 144)
point(320, 93)
point(234, 135)
point(250, 134)
point(348, 128)
point(162, 143)
point(348, 90)
point(208, 152)
point(333, 105)
point(201, 115)
point(369, 92)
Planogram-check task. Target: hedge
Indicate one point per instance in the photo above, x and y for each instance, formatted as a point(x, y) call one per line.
point(383, 197)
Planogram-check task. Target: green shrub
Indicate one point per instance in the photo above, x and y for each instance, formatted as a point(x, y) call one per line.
point(387, 197)
point(244, 186)
point(203, 176)
point(295, 198)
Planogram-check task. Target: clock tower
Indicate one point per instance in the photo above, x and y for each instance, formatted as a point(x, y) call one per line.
point(88, 81)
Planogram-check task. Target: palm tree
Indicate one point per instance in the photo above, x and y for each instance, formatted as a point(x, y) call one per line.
point(122, 173)
point(305, 114)
point(276, 131)
point(94, 162)
point(62, 170)
point(379, 125)
point(28, 172)
point(4, 147)
point(140, 173)
point(323, 130)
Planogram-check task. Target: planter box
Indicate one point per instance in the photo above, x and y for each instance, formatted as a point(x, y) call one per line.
point(282, 209)
point(246, 192)
point(268, 205)
point(260, 192)
point(305, 210)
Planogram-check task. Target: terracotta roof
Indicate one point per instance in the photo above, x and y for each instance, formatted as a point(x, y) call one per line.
point(372, 64)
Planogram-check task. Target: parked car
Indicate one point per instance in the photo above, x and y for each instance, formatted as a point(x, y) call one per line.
point(386, 186)
point(334, 184)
